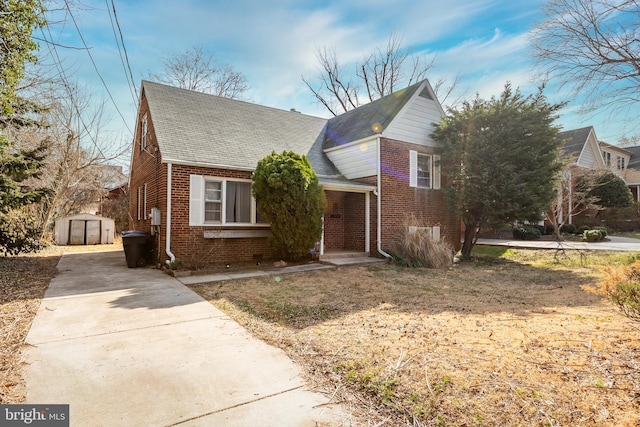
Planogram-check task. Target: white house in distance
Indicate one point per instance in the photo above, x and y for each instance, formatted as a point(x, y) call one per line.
point(586, 151)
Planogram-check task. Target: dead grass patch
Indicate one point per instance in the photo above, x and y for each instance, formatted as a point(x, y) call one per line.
point(510, 340)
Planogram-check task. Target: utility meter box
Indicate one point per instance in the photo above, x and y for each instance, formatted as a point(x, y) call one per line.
point(155, 216)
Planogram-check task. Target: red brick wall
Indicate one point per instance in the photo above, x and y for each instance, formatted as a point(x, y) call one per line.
point(187, 243)
point(399, 199)
point(147, 168)
point(354, 211)
point(334, 220)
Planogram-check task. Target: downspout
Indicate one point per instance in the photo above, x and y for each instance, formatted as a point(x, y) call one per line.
point(168, 234)
point(378, 194)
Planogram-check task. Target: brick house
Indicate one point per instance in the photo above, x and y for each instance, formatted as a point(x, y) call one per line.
point(194, 153)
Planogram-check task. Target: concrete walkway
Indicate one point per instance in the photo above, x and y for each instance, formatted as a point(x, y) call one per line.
point(612, 243)
point(135, 347)
point(328, 264)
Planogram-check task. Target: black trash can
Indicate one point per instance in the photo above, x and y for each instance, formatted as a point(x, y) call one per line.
point(136, 248)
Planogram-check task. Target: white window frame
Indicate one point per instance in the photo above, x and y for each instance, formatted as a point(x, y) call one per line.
point(139, 203)
point(197, 202)
point(620, 161)
point(144, 201)
point(143, 133)
point(434, 173)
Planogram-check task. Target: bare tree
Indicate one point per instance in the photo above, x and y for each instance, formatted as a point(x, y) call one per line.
point(197, 70)
point(593, 48)
point(572, 199)
point(79, 150)
point(380, 74)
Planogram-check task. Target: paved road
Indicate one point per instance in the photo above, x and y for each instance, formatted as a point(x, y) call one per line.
point(612, 243)
point(135, 347)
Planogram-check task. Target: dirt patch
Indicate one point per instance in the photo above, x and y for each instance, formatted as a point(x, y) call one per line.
point(510, 340)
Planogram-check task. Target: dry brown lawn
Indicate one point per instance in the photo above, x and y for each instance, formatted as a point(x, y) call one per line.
point(23, 282)
point(508, 340)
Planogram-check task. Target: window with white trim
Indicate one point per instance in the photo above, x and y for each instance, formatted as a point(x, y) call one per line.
point(620, 162)
point(221, 201)
point(143, 133)
point(424, 170)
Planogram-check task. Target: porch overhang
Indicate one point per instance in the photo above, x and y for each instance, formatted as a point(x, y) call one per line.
point(346, 186)
point(340, 185)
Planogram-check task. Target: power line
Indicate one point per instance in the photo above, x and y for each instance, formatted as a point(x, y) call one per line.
point(129, 76)
point(58, 64)
point(66, 2)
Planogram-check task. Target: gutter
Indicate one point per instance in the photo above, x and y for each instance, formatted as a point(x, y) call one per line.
point(168, 232)
point(378, 193)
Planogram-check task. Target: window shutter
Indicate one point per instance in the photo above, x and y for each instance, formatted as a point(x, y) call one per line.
point(413, 168)
point(196, 200)
point(436, 172)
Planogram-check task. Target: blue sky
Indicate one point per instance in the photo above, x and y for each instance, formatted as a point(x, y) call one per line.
point(274, 42)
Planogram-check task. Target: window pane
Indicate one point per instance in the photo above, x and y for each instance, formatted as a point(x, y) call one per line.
point(213, 191)
point(212, 211)
point(424, 171)
point(238, 202)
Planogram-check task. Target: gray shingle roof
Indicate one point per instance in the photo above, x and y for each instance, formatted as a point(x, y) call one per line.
point(574, 140)
point(634, 162)
point(358, 123)
point(205, 129)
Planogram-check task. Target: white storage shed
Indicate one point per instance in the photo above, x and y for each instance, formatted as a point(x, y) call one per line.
point(84, 229)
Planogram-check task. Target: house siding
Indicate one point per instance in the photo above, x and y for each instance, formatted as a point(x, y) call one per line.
point(355, 160)
point(415, 123)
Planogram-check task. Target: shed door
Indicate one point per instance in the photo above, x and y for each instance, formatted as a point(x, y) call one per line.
point(93, 233)
point(76, 232)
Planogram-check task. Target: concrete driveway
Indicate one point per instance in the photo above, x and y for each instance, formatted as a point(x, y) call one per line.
point(135, 347)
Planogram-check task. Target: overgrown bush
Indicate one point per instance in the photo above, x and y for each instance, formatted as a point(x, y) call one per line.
point(19, 233)
point(582, 229)
point(568, 229)
point(593, 235)
point(417, 248)
point(621, 284)
point(289, 197)
point(603, 231)
point(526, 232)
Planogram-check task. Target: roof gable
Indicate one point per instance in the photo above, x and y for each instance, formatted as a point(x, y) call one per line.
point(367, 120)
point(582, 146)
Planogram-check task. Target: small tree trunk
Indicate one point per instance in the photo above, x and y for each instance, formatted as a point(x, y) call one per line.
point(469, 240)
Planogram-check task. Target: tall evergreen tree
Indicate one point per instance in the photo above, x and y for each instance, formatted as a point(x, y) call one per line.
point(17, 21)
point(502, 160)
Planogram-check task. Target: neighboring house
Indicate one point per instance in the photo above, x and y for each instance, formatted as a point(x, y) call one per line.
point(583, 150)
point(194, 153)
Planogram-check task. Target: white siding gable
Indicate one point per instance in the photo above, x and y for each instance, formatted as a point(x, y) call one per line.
point(355, 160)
point(591, 156)
point(414, 123)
